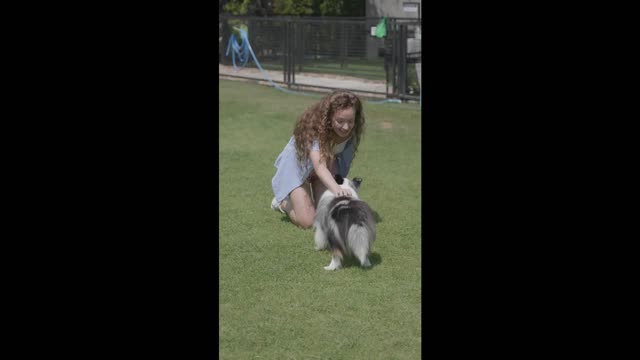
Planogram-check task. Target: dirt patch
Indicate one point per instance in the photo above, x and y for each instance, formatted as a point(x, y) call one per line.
point(386, 125)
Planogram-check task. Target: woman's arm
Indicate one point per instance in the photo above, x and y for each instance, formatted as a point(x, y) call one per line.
point(325, 176)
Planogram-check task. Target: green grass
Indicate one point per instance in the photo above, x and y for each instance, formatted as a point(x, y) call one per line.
point(275, 299)
point(365, 69)
point(372, 70)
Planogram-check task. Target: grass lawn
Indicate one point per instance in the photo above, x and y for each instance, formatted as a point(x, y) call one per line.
point(275, 299)
point(371, 70)
point(365, 69)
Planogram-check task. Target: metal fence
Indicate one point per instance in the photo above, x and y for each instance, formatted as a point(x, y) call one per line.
point(326, 53)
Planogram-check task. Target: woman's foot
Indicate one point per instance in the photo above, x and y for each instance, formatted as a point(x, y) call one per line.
point(275, 205)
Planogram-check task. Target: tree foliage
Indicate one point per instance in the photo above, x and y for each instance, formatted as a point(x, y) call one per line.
point(331, 7)
point(249, 7)
point(354, 8)
point(340, 7)
point(237, 7)
point(293, 7)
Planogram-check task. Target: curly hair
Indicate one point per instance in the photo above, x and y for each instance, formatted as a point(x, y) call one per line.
point(315, 124)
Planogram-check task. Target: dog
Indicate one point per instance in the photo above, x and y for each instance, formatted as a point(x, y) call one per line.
point(345, 225)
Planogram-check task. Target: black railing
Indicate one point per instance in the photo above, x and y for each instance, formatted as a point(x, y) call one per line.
point(338, 46)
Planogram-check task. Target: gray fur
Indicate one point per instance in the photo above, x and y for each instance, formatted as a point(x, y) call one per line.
point(345, 225)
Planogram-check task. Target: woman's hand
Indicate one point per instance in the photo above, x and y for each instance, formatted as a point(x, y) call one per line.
point(342, 192)
point(325, 175)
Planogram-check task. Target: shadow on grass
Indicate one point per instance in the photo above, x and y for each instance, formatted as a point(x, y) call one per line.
point(376, 216)
point(350, 261)
point(285, 218)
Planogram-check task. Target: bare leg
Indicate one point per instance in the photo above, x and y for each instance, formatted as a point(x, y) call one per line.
point(301, 210)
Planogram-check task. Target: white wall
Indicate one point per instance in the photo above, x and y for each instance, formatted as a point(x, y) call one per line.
point(389, 8)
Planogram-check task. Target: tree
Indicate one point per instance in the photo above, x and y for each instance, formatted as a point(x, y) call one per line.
point(292, 7)
point(249, 7)
point(351, 8)
point(354, 8)
point(331, 7)
point(237, 7)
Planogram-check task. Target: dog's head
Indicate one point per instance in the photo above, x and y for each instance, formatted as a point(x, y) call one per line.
point(345, 183)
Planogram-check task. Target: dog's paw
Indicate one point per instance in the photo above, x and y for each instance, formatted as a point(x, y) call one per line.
point(367, 263)
point(334, 265)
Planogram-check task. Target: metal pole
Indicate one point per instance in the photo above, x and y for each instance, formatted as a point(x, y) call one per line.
point(294, 43)
point(402, 73)
point(394, 57)
point(284, 52)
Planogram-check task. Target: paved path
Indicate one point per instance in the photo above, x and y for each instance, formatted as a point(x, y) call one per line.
point(311, 79)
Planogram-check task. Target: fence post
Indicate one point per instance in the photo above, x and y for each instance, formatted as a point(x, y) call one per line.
point(343, 48)
point(284, 52)
point(294, 43)
point(224, 60)
point(402, 68)
point(394, 58)
point(288, 54)
point(300, 46)
point(386, 72)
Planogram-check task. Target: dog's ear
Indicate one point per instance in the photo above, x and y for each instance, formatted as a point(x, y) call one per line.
point(357, 181)
point(339, 179)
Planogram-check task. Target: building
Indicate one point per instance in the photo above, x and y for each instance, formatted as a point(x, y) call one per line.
point(395, 9)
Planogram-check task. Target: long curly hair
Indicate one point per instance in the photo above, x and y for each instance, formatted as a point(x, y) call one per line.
point(315, 124)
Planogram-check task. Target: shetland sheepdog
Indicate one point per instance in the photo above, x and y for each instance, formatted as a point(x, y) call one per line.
point(345, 225)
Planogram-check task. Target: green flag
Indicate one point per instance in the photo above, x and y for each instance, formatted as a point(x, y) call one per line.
point(381, 28)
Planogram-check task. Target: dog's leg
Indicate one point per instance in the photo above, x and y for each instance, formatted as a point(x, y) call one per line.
point(320, 239)
point(364, 259)
point(334, 265)
point(359, 243)
point(336, 261)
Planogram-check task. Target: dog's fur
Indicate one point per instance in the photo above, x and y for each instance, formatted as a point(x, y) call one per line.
point(345, 225)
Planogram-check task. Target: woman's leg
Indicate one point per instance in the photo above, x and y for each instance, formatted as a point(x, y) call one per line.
point(301, 210)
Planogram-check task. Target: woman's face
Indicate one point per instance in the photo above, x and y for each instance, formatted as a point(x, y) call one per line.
point(343, 122)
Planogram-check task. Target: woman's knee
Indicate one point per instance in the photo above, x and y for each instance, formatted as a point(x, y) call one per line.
point(304, 219)
point(303, 208)
point(306, 222)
